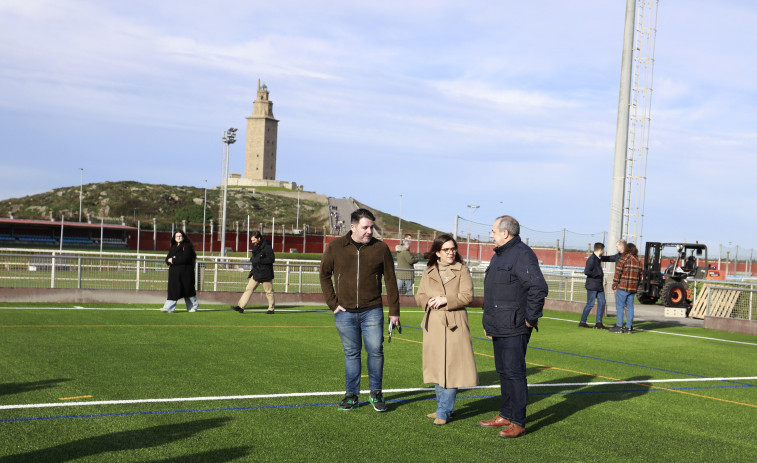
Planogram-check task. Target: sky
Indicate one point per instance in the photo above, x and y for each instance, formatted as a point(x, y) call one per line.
point(415, 108)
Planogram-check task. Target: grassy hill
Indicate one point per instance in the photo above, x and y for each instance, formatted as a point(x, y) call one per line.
point(167, 203)
point(171, 204)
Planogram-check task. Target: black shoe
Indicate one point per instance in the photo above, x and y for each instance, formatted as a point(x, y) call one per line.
point(269, 312)
point(349, 402)
point(627, 330)
point(616, 329)
point(237, 308)
point(377, 400)
point(584, 325)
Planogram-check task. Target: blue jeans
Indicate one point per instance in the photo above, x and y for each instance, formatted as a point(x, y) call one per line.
point(354, 328)
point(590, 296)
point(624, 299)
point(445, 401)
point(405, 287)
point(191, 303)
point(510, 362)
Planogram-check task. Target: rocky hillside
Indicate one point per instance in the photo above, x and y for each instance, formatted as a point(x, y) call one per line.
point(171, 204)
point(167, 203)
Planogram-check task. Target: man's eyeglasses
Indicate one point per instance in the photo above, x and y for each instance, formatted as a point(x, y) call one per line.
point(449, 250)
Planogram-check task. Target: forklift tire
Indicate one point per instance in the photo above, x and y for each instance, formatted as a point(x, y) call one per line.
point(673, 294)
point(644, 299)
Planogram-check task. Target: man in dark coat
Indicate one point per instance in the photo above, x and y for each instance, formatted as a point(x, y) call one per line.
point(594, 287)
point(181, 274)
point(262, 272)
point(514, 293)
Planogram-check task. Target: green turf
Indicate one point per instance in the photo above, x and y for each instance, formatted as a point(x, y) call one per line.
point(47, 355)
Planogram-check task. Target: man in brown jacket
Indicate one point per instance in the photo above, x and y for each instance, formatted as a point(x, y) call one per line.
point(351, 271)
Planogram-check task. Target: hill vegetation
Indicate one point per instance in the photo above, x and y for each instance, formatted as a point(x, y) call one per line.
point(130, 202)
point(167, 204)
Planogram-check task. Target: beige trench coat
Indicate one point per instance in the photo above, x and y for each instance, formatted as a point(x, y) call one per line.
point(447, 348)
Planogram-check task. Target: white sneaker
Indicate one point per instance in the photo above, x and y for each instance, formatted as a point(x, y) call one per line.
point(192, 310)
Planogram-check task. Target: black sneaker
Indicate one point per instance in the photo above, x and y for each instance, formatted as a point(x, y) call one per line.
point(377, 400)
point(349, 402)
point(627, 330)
point(237, 308)
point(616, 329)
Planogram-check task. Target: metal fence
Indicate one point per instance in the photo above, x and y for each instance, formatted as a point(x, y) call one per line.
point(80, 270)
point(144, 272)
point(149, 272)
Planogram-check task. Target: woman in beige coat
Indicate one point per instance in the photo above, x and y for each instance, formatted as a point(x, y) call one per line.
point(446, 288)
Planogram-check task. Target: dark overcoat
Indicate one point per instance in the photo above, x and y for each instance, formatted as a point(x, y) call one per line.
point(594, 274)
point(262, 261)
point(181, 273)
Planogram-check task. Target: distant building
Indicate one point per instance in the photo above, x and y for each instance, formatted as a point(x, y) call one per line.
point(260, 147)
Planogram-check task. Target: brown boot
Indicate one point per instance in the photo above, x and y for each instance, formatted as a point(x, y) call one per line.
point(440, 422)
point(583, 325)
point(600, 326)
point(512, 431)
point(496, 422)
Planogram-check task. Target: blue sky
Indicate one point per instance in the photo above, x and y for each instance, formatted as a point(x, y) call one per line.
point(507, 105)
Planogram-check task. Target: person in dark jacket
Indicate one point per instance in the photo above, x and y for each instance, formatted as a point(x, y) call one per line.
point(181, 274)
point(514, 293)
point(620, 246)
point(352, 268)
point(262, 272)
point(594, 287)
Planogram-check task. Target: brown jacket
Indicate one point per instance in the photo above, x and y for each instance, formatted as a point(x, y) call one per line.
point(356, 282)
point(447, 347)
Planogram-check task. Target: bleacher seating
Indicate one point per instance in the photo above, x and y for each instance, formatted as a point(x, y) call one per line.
point(36, 238)
point(7, 237)
point(76, 240)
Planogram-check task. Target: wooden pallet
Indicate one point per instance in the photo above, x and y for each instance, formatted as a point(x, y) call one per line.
point(722, 303)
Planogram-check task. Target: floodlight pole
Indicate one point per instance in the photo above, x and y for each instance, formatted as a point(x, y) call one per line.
point(615, 232)
point(297, 226)
point(399, 227)
point(204, 208)
point(229, 137)
point(81, 190)
point(470, 220)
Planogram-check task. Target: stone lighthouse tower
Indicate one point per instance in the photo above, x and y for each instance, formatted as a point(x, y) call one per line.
point(262, 129)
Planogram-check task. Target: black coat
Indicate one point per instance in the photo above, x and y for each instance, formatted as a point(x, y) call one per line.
point(514, 290)
point(181, 272)
point(594, 274)
point(262, 261)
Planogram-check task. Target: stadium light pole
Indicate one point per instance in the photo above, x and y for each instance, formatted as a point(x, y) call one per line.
point(297, 226)
point(399, 227)
point(470, 219)
point(81, 190)
point(229, 137)
point(204, 208)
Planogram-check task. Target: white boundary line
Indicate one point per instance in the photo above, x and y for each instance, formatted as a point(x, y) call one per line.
point(671, 334)
point(339, 393)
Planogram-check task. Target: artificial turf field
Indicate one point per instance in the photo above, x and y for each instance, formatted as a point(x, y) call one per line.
point(234, 362)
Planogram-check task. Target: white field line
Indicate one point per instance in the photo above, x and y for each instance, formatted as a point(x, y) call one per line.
point(671, 334)
point(339, 393)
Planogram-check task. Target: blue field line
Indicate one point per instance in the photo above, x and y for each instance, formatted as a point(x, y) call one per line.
point(269, 407)
point(607, 360)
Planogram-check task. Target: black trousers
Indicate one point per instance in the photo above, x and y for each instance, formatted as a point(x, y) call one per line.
point(510, 361)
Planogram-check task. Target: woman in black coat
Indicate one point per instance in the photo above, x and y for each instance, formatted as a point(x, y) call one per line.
point(262, 272)
point(181, 274)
